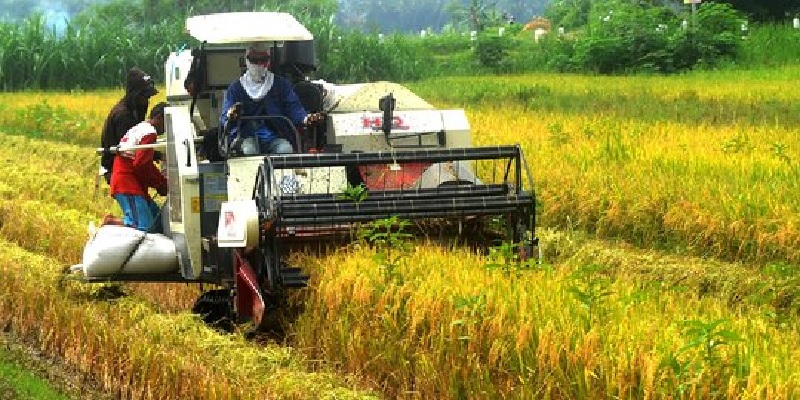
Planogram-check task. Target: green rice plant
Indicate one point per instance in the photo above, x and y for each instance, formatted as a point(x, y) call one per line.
point(506, 257)
point(471, 310)
point(706, 341)
point(590, 289)
point(356, 193)
point(780, 151)
point(708, 338)
point(558, 136)
point(737, 144)
point(391, 240)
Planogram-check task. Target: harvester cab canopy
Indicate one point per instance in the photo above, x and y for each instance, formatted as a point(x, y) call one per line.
point(247, 27)
point(220, 57)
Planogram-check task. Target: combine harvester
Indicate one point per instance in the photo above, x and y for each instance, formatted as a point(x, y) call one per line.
point(230, 220)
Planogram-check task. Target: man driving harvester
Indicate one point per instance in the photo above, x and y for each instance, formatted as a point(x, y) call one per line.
point(259, 92)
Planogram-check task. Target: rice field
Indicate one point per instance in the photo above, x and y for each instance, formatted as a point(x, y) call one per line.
point(670, 238)
point(704, 164)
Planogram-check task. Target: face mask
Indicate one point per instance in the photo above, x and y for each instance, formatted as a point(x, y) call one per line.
point(257, 72)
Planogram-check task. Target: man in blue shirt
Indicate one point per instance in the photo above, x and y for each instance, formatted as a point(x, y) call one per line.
point(259, 92)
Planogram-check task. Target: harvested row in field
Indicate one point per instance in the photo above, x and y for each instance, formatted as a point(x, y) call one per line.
point(60, 232)
point(53, 172)
point(134, 352)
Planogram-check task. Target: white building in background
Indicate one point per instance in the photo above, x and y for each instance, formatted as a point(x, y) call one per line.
point(538, 34)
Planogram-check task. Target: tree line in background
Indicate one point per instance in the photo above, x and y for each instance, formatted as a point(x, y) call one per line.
point(399, 15)
point(97, 46)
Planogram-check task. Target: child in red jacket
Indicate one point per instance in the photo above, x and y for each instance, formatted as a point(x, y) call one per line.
point(134, 172)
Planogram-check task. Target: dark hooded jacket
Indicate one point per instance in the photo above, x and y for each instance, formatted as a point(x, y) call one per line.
point(125, 114)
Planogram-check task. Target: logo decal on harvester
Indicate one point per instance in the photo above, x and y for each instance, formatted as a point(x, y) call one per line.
point(375, 123)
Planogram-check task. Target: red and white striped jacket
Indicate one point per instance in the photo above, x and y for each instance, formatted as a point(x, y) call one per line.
point(134, 170)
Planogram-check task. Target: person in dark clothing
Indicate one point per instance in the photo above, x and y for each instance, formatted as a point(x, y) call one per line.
point(129, 111)
point(260, 92)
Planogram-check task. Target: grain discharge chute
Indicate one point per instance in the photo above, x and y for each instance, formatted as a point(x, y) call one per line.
point(381, 152)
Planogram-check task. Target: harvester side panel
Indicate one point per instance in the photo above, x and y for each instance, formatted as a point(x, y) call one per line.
point(361, 131)
point(184, 192)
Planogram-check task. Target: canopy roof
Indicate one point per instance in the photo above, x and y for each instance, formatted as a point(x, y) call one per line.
point(243, 27)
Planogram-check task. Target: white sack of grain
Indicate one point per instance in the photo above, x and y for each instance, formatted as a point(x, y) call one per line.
point(106, 251)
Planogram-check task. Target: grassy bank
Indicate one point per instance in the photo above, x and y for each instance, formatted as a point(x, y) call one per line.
point(18, 382)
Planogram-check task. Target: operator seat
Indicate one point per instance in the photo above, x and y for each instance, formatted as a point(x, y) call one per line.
point(310, 95)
